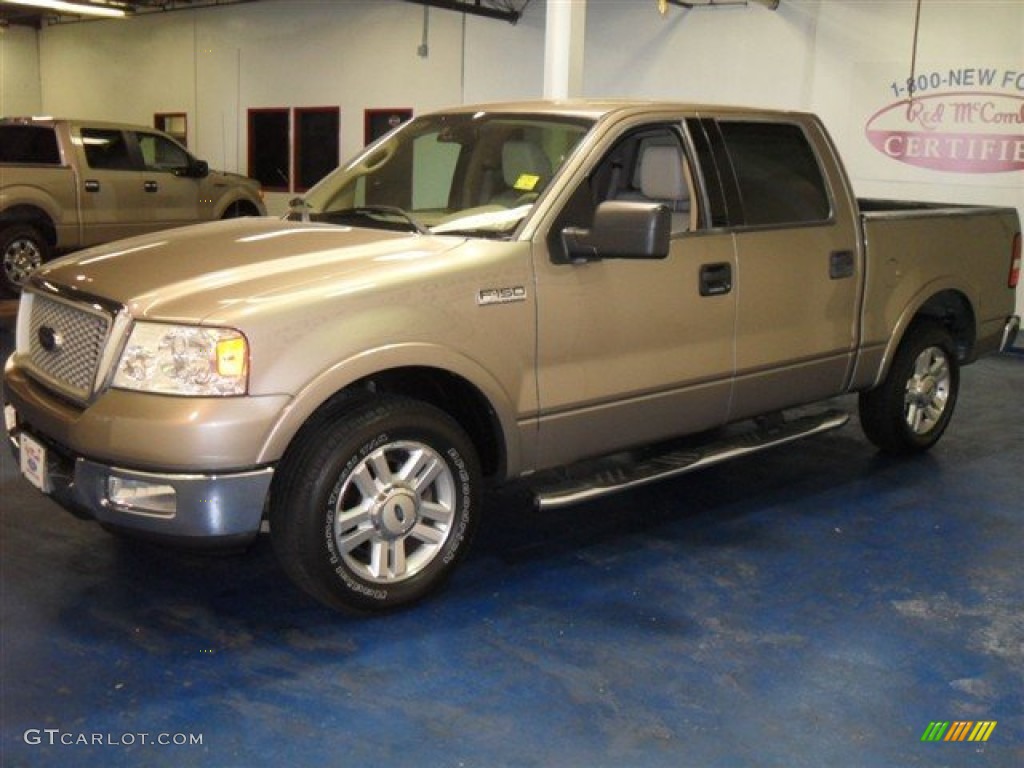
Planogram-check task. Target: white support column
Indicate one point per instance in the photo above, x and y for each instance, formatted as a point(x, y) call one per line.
point(563, 48)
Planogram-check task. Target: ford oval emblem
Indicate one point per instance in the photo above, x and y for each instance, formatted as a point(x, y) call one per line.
point(49, 339)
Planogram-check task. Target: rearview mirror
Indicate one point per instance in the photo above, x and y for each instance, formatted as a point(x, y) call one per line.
point(621, 230)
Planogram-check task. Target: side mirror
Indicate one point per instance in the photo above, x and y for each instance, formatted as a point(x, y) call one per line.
point(621, 230)
point(197, 169)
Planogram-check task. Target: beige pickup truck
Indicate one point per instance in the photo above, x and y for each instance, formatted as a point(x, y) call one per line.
point(67, 184)
point(582, 297)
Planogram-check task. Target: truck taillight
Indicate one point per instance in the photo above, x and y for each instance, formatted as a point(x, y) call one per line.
point(1014, 276)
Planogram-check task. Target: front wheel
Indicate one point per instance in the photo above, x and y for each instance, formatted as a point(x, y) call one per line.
point(239, 209)
point(23, 250)
point(909, 411)
point(375, 505)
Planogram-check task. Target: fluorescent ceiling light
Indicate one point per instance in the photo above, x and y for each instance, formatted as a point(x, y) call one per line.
point(77, 8)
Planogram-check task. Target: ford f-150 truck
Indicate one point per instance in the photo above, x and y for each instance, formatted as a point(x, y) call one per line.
point(67, 184)
point(582, 297)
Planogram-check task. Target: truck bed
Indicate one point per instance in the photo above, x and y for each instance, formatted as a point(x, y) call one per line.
point(908, 264)
point(872, 207)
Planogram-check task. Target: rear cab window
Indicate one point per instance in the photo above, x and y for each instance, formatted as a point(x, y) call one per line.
point(29, 145)
point(778, 175)
point(760, 174)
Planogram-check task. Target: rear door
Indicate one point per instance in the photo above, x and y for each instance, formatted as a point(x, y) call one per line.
point(798, 260)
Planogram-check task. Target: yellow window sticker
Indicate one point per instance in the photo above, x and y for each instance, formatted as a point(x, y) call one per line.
point(526, 182)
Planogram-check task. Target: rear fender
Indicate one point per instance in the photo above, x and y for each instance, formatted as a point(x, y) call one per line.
point(947, 301)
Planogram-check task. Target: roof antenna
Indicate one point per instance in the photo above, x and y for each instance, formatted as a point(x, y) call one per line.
point(424, 50)
point(911, 85)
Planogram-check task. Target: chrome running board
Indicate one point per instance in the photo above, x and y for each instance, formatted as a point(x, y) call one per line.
point(614, 474)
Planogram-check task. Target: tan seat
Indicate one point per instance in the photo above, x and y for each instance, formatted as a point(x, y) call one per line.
point(662, 181)
point(525, 169)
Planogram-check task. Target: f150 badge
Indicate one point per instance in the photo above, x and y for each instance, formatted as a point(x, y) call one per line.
point(507, 295)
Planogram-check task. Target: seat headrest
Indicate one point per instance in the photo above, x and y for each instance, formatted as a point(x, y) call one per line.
point(661, 173)
point(523, 158)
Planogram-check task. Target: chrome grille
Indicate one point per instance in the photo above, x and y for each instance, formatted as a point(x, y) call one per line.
point(65, 344)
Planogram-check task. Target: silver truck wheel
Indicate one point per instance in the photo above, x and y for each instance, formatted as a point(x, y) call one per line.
point(373, 509)
point(393, 513)
point(23, 250)
point(927, 392)
point(910, 410)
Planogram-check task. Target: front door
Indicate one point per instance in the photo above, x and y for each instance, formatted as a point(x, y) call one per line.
point(633, 351)
point(172, 197)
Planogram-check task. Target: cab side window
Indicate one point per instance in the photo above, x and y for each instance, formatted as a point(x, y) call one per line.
point(161, 154)
point(647, 165)
point(777, 173)
point(106, 149)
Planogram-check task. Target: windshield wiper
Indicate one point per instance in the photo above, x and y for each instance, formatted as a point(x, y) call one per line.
point(485, 232)
point(369, 211)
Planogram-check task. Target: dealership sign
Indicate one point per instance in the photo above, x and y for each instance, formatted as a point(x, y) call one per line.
point(969, 131)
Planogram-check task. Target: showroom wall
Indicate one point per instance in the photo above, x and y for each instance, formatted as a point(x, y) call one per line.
point(848, 60)
point(20, 92)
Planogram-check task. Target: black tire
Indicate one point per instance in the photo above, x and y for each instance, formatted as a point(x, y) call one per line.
point(23, 249)
point(375, 504)
point(240, 209)
point(909, 411)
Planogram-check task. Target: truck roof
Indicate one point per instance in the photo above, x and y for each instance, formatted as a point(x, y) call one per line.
point(598, 108)
point(50, 122)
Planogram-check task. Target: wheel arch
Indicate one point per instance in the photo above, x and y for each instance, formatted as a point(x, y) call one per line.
point(949, 307)
point(454, 395)
point(479, 408)
point(32, 215)
point(237, 207)
point(952, 310)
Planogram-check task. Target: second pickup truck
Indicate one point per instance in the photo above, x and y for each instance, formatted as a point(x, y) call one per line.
point(583, 297)
point(68, 184)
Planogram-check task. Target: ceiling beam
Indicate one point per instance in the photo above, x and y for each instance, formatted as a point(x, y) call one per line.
point(691, 4)
point(472, 7)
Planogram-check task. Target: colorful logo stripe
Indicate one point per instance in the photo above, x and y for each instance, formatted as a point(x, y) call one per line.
point(960, 730)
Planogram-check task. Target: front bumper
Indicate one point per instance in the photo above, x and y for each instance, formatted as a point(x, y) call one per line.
point(190, 477)
point(206, 510)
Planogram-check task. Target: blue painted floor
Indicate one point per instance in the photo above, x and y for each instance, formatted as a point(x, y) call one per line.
point(814, 606)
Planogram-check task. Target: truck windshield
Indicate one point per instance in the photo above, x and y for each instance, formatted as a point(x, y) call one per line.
point(467, 174)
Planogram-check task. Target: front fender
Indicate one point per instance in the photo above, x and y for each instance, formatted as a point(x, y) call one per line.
point(347, 372)
point(238, 196)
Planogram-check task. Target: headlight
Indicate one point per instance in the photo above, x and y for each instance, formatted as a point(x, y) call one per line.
point(184, 360)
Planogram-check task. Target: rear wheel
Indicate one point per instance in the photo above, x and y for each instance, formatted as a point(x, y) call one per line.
point(23, 249)
point(909, 411)
point(374, 507)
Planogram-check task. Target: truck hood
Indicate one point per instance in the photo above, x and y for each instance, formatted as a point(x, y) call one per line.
point(227, 177)
point(196, 273)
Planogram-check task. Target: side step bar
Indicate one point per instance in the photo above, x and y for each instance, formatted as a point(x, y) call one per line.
point(621, 472)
